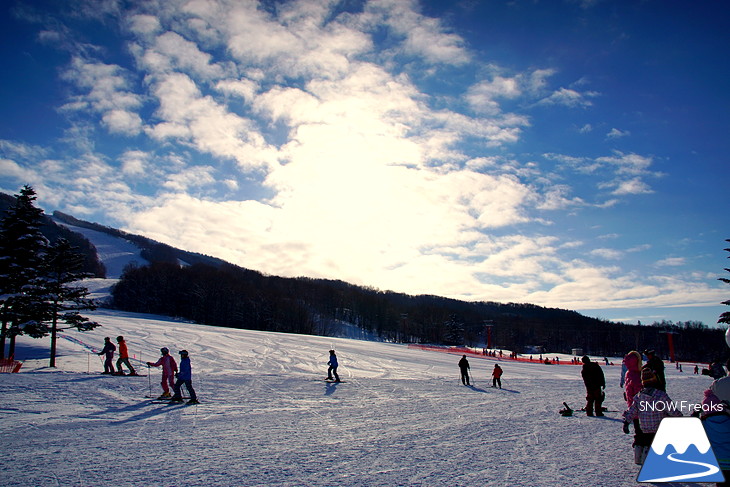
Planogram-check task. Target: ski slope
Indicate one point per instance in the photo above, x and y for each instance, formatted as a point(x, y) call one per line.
point(267, 418)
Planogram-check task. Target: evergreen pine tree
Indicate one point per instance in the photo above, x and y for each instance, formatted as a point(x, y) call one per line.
point(22, 246)
point(725, 317)
point(62, 301)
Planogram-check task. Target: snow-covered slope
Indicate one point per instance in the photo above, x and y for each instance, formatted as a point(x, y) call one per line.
point(267, 418)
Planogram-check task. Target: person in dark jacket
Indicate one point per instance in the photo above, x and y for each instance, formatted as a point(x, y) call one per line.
point(656, 364)
point(594, 381)
point(184, 376)
point(108, 351)
point(332, 370)
point(464, 367)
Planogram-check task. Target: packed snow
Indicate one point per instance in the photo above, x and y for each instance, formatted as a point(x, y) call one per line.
point(267, 418)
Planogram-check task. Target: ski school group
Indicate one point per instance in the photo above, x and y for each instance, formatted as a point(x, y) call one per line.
point(647, 403)
point(170, 371)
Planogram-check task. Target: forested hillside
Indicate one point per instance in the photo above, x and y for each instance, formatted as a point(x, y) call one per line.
point(240, 298)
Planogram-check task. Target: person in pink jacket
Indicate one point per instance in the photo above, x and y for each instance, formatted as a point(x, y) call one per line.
point(632, 379)
point(169, 367)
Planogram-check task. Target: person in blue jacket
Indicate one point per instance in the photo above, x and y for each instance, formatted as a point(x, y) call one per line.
point(184, 376)
point(333, 367)
point(715, 418)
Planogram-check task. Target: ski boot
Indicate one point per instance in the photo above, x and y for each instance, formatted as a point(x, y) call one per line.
point(192, 401)
point(176, 399)
point(165, 395)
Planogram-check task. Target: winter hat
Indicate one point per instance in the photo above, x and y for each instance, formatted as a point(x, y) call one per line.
point(120, 338)
point(721, 388)
point(648, 377)
point(184, 353)
point(164, 351)
point(585, 359)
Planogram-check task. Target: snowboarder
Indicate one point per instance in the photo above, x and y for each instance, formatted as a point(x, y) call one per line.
point(123, 357)
point(646, 408)
point(332, 370)
point(656, 364)
point(496, 374)
point(185, 376)
point(594, 381)
point(169, 367)
point(715, 418)
point(464, 367)
point(108, 351)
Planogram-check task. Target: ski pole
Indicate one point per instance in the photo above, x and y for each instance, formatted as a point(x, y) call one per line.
point(149, 380)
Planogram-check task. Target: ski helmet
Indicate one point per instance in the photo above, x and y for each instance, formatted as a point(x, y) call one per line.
point(183, 353)
point(164, 351)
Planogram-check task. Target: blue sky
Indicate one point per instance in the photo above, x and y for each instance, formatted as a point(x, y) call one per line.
point(567, 154)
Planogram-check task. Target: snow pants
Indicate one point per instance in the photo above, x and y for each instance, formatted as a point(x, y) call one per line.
point(124, 361)
point(465, 376)
point(108, 365)
point(497, 382)
point(188, 385)
point(333, 371)
point(167, 382)
point(594, 401)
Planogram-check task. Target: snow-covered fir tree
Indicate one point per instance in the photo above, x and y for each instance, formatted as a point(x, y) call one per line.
point(22, 246)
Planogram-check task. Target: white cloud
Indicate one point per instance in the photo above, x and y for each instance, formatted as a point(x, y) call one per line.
point(107, 92)
point(617, 134)
point(569, 98)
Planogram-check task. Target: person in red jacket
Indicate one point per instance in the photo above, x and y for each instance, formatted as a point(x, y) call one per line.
point(496, 376)
point(123, 357)
point(169, 367)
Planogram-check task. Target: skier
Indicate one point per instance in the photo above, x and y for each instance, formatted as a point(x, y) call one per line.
point(185, 376)
point(108, 350)
point(646, 408)
point(464, 367)
point(594, 381)
point(632, 378)
point(715, 418)
point(169, 367)
point(333, 367)
point(496, 374)
point(123, 357)
point(656, 364)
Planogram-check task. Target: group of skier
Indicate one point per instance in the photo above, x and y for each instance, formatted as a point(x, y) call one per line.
point(108, 352)
point(170, 371)
point(648, 403)
point(465, 379)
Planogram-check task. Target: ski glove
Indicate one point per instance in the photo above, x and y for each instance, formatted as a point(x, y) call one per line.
point(626, 428)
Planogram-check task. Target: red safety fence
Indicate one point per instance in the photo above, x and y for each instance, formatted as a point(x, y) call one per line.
point(495, 355)
point(8, 365)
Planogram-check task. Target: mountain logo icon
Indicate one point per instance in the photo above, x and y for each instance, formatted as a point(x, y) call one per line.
point(680, 452)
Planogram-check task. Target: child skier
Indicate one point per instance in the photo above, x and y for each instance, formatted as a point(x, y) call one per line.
point(496, 374)
point(333, 367)
point(124, 357)
point(645, 407)
point(185, 376)
point(169, 367)
point(108, 351)
point(464, 367)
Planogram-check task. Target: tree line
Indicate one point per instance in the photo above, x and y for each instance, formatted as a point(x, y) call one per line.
point(236, 297)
